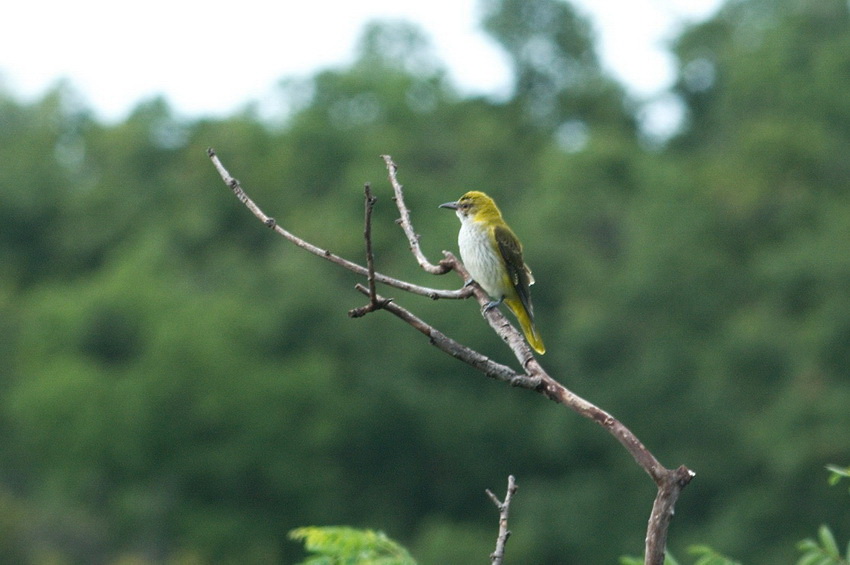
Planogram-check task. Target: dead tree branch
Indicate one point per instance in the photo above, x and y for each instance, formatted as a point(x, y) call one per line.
point(374, 303)
point(670, 482)
point(270, 222)
point(443, 266)
point(498, 555)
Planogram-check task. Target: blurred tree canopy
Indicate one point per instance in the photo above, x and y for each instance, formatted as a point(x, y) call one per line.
point(180, 386)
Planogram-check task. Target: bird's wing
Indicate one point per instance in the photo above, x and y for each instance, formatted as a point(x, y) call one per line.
point(518, 272)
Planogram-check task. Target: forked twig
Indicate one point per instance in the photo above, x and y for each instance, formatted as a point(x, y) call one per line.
point(498, 555)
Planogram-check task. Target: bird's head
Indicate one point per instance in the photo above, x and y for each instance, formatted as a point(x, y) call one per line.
point(475, 206)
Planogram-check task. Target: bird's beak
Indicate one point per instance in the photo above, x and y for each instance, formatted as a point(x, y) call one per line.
point(449, 205)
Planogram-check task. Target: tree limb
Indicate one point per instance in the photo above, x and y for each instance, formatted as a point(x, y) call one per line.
point(498, 555)
point(670, 482)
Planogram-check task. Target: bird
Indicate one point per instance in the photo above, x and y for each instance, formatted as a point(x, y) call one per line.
point(492, 254)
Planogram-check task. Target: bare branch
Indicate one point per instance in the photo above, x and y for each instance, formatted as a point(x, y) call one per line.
point(404, 220)
point(670, 482)
point(374, 303)
point(498, 555)
point(268, 221)
point(447, 345)
point(367, 235)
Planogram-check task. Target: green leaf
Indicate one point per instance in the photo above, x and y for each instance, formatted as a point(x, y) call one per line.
point(707, 556)
point(807, 545)
point(823, 553)
point(827, 540)
point(837, 473)
point(811, 559)
point(341, 545)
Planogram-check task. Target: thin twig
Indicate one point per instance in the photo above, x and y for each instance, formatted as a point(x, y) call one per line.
point(369, 204)
point(404, 220)
point(498, 555)
point(268, 221)
point(374, 303)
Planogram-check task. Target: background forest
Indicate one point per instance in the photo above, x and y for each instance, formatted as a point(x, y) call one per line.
point(178, 385)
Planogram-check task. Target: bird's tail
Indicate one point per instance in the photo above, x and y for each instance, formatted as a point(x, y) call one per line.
point(527, 324)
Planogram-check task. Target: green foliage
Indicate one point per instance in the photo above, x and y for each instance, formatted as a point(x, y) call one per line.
point(348, 546)
point(557, 76)
point(836, 474)
point(823, 551)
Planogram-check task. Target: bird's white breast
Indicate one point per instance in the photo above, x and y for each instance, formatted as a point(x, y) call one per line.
point(481, 259)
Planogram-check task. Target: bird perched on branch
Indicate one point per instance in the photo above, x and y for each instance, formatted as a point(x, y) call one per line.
point(493, 256)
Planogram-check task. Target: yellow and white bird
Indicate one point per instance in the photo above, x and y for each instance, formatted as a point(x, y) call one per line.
point(492, 254)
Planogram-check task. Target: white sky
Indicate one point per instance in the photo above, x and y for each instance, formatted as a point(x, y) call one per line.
point(211, 57)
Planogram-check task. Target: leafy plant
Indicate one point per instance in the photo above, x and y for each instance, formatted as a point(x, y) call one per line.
point(823, 551)
point(341, 545)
